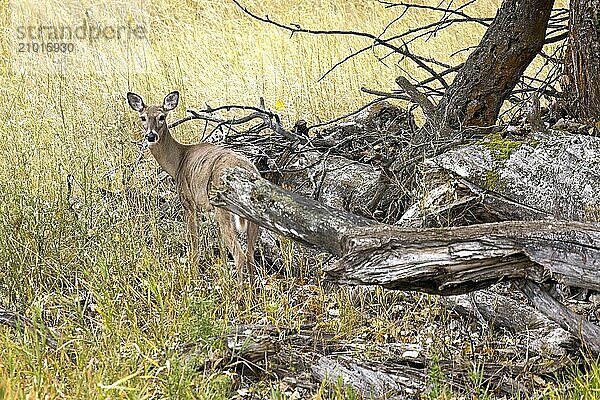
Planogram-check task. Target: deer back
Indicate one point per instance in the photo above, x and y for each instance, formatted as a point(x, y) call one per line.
point(200, 168)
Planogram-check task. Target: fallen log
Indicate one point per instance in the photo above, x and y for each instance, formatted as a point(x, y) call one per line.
point(397, 379)
point(313, 356)
point(287, 213)
point(436, 260)
point(461, 259)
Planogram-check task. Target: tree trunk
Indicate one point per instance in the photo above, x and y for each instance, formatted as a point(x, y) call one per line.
point(493, 69)
point(582, 63)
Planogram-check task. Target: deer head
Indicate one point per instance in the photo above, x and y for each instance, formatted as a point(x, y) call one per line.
point(154, 118)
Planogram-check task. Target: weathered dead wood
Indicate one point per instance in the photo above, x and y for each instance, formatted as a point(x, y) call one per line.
point(22, 323)
point(401, 380)
point(284, 212)
point(576, 324)
point(391, 369)
point(341, 166)
point(544, 336)
point(442, 261)
point(533, 114)
point(462, 259)
point(372, 380)
point(416, 96)
point(335, 181)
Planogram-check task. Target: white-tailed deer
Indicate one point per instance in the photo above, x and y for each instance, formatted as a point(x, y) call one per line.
point(195, 168)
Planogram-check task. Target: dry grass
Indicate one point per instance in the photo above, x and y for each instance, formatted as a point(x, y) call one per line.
point(106, 272)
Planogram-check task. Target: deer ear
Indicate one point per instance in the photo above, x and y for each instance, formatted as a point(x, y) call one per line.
point(171, 100)
point(135, 101)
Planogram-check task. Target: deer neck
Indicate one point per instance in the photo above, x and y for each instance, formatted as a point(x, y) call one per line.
point(168, 152)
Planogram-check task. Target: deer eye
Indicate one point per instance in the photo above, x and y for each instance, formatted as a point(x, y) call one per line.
point(161, 118)
point(143, 118)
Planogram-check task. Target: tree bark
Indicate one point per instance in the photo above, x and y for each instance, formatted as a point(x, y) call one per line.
point(490, 73)
point(582, 60)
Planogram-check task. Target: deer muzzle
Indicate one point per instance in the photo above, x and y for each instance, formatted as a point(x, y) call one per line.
point(151, 136)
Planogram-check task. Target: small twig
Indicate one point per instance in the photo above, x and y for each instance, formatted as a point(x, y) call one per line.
point(318, 186)
point(342, 117)
point(270, 119)
point(180, 121)
point(442, 73)
point(482, 21)
point(557, 38)
point(392, 38)
point(385, 95)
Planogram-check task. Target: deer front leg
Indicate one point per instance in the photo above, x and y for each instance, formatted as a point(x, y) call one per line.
point(193, 234)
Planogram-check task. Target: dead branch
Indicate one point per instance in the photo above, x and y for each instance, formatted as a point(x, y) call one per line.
point(567, 319)
point(377, 40)
point(444, 10)
point(22, 323)
point(416, 96)
point(383, 97)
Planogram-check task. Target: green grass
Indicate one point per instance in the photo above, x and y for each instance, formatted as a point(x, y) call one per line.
point(106, 271)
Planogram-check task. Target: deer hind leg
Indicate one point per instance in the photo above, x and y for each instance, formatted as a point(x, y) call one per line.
point(251, 237)
point(229, 233)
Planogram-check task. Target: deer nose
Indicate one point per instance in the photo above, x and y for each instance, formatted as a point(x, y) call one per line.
point(151, 137)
